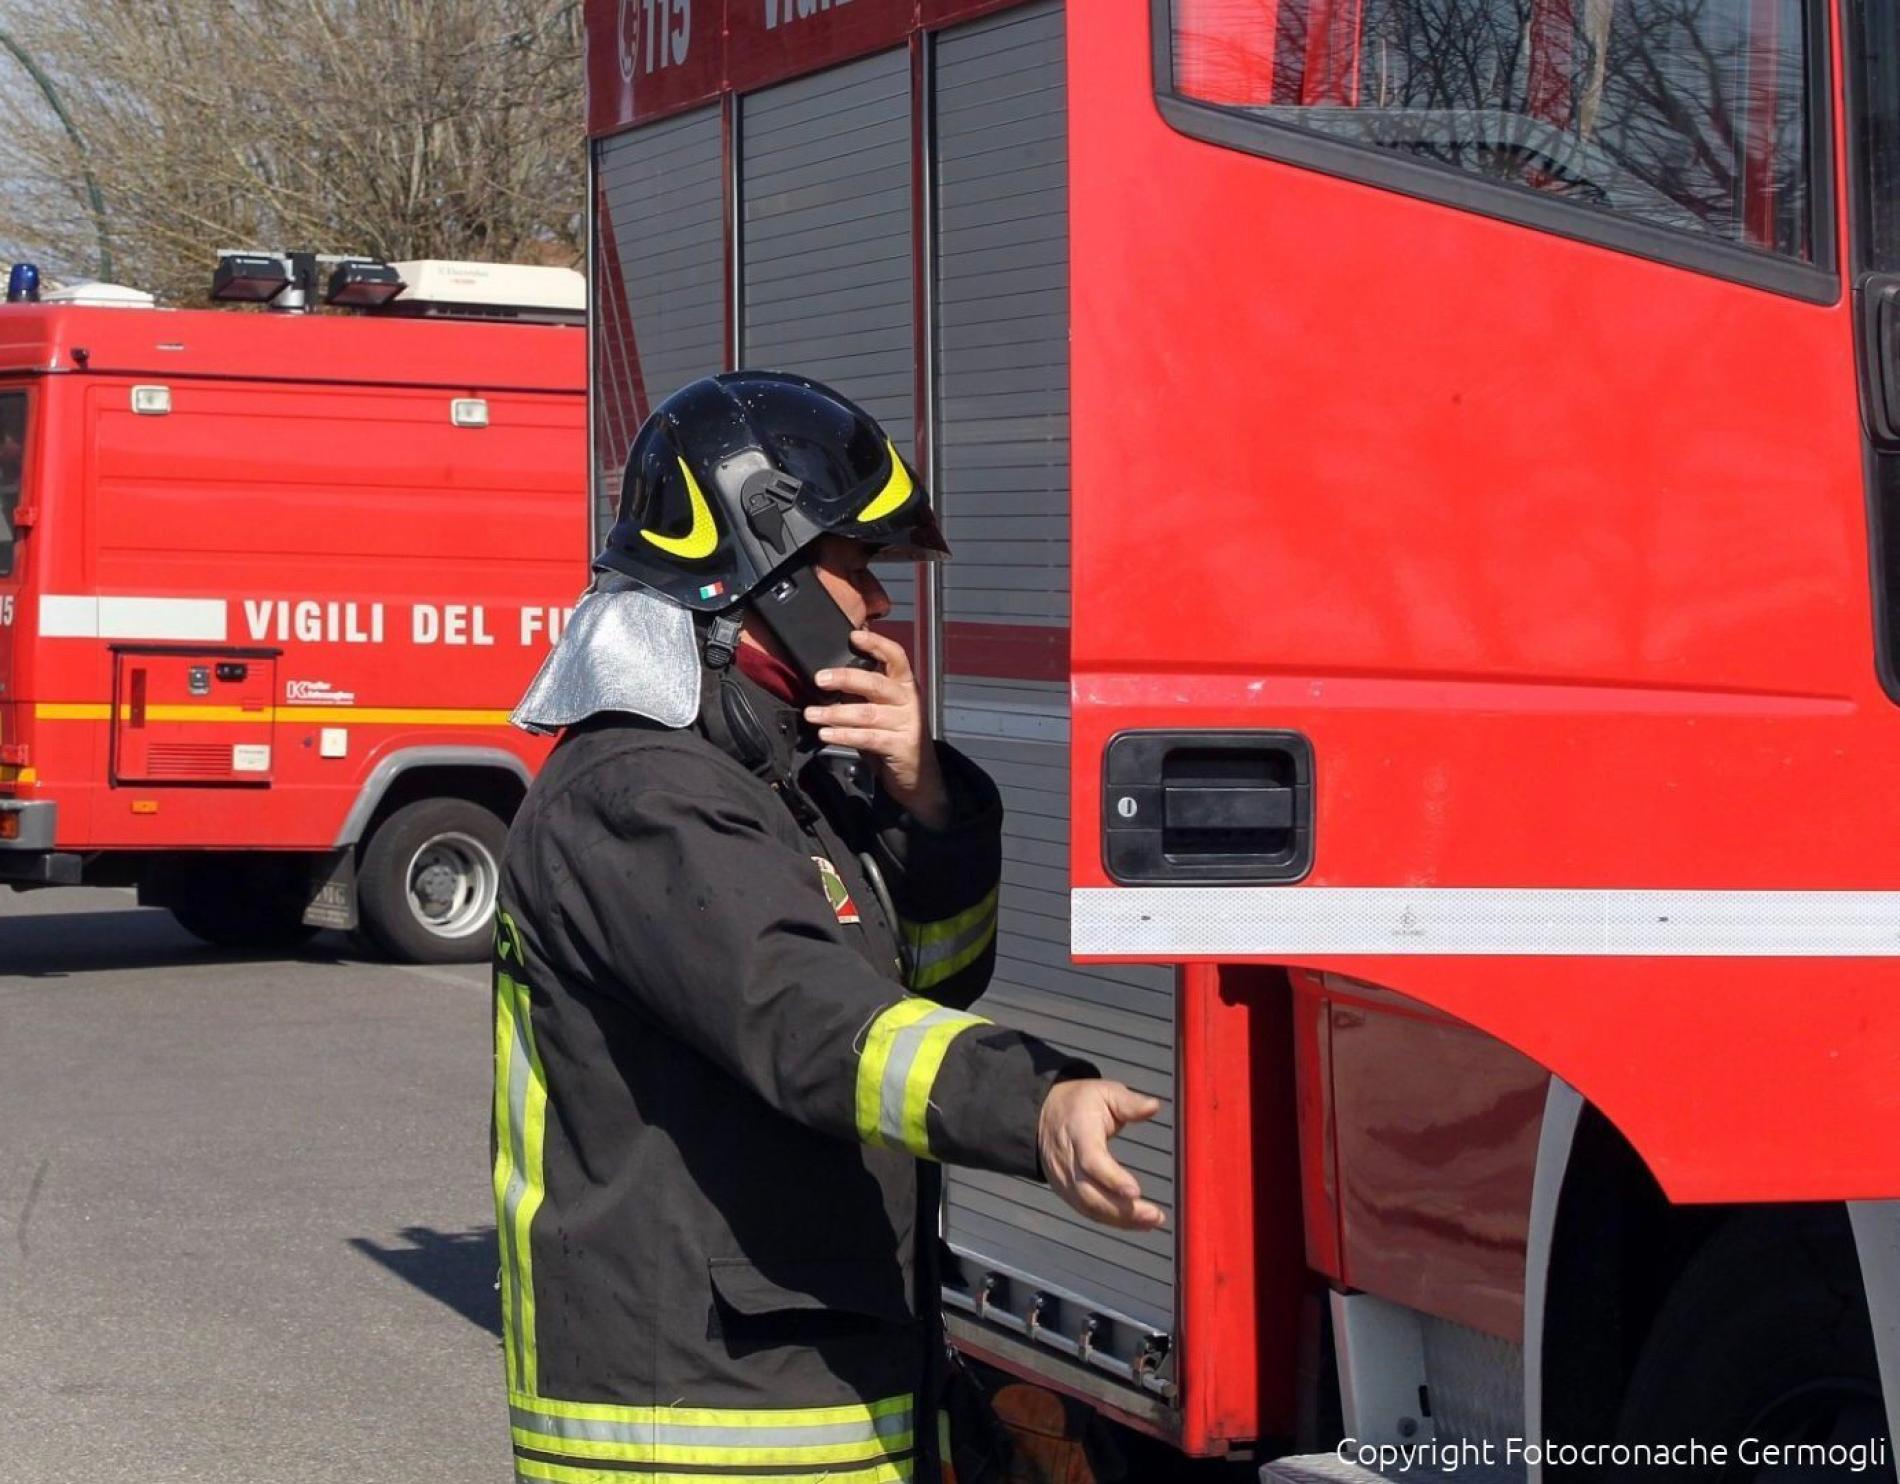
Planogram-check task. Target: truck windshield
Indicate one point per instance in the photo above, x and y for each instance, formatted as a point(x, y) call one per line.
point(12, 462)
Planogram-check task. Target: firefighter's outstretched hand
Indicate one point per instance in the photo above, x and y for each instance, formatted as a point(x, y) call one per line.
point(884, 719)
point(1078, 1120)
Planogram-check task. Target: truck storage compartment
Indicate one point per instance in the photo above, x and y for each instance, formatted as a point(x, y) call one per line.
point(660, 282)
point(198, 715)
point(1028, 1266)
point(825, 244)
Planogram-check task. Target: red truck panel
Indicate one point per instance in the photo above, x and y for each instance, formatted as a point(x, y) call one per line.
point(1436, 1128)
point(1596, 620)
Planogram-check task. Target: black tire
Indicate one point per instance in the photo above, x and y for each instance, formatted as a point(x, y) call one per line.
point(1765, 1336)
point(427, 882)
point(254, 905)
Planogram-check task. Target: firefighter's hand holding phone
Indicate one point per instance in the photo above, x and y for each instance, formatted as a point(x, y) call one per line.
point(883, 718)
point(1078, 1119)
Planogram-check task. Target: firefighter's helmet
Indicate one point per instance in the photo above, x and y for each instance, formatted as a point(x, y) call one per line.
point(734, 475)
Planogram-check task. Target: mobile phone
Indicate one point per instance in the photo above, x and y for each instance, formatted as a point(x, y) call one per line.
point(809, 626)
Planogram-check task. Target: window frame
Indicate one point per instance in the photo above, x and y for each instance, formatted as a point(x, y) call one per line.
point(1880, 466)
point(12, 569)
point(1860, 100)
point(1817, 282)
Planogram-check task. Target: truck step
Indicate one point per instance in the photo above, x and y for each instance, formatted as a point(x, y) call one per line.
point(1330, 1468)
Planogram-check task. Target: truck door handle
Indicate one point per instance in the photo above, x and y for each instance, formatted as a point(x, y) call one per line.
point(1249, 808)
point(1207, 806)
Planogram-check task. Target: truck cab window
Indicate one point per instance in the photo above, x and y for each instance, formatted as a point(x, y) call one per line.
point(12, 461)
point(1690, 115)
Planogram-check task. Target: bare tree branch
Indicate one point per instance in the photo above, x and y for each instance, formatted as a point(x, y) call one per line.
point(397, 128)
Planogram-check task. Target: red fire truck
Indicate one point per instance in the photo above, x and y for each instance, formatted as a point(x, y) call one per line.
point(1425, 482)
point(269, 586)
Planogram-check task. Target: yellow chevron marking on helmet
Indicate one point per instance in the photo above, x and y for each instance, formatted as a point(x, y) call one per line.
point(700, 541)
point(897, 490)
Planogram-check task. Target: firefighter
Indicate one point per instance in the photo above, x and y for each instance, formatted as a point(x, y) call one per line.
point(733, 974)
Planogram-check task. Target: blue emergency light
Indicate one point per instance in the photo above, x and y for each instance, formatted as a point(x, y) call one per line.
point(23, 284)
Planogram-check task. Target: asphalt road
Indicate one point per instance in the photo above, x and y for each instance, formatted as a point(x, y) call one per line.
point(245, 1224)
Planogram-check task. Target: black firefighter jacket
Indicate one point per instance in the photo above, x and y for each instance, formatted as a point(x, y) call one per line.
point(718, 1062)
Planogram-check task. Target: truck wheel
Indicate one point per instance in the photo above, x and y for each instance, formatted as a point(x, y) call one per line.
point(428, 881)
point(1765, 1336)
point(253, 906)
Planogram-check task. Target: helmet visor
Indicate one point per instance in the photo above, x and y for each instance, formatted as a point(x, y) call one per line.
point(922, 542)
point(887, 506)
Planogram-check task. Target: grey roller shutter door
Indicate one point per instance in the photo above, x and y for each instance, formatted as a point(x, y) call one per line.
point(1120, 1019)
point(1002, 301)
point(1002, 409)
point(827, 285)
point(660, 246)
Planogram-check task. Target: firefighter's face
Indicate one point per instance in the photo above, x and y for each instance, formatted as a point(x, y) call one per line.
point(844, 566)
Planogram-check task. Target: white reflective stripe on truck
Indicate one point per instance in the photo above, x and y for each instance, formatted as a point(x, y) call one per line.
point(199, 620)
point(1176, 922)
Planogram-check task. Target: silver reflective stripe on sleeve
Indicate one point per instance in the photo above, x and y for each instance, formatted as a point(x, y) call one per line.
point(939, 951)
point(904, 1048)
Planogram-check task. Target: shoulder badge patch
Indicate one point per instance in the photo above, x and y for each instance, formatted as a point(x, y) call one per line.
point(836, 892)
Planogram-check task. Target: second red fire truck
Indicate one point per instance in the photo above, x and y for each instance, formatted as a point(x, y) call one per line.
point(271, 582)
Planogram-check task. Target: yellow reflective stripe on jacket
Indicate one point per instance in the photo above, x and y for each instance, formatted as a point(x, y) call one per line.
point(534, 1471)
point(521, 1115)
point(904, 1047)
point(943, 949)
point(715, 1438)
point(508, 940)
